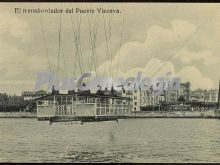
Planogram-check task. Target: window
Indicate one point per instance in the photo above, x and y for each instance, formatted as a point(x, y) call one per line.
point(135, 97)
point(98, 111)
point(135, 103)
point(102, 111)
point(107, 111)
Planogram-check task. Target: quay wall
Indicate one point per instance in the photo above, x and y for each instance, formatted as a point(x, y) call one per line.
point(174, 114)
point(148, 114)
point(18, 115)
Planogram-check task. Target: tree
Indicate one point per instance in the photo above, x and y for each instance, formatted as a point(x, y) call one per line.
point(11, 103)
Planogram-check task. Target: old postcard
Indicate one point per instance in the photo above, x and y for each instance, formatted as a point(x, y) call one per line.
point(109, 82)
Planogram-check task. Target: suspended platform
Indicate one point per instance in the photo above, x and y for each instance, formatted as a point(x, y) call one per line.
point(84, 107)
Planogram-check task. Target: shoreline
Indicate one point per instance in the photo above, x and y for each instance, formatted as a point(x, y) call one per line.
point(18, 115)
point(209, 114)
point(146, 114)
point(173, 117)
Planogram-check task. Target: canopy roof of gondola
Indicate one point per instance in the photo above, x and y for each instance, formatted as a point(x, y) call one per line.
point(85, 94)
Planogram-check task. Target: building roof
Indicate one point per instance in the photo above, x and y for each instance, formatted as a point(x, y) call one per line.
point(27, 93)
point(198, 90)
point(197, 95)
point(49, 96)
point(33, 93)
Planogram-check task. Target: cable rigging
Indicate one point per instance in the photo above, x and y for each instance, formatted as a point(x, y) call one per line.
point(107, 45)
point(74, 59)
point(45, 43)
point(93, 29)
point(59, 43)
point(121, 35)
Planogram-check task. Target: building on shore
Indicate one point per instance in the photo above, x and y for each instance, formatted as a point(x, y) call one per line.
point(182, 99)
point(211, 96)
point(184, 91)
point(142, 101)
point(204, 99)
point(206, 96)
point(145, 101)
point(150, 102)
point(136, 99)
point(197, 95)
point(171, 96)
point(183, 94)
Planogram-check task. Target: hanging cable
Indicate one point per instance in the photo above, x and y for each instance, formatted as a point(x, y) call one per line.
point(78, 44)
point(58, 55)
point(95, 36)
point(122, 28)
point(107, 45)
point(64, 61)
point(45, 44)
point(74, 54)
point(74, 34)
point(110, 46)
point(93, 26)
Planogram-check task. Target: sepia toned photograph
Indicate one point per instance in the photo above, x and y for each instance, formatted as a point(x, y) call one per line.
point(105, 82)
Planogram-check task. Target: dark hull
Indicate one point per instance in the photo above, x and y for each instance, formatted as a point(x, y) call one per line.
point(82, 119)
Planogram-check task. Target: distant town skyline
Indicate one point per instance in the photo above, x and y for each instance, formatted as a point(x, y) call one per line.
point(156, 39)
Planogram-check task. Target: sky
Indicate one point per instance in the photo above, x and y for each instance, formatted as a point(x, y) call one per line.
point(177, 38)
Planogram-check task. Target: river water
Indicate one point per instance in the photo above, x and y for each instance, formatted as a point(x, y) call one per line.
point(129, 140)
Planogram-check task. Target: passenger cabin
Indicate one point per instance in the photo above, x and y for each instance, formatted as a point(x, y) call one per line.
point(82, 106)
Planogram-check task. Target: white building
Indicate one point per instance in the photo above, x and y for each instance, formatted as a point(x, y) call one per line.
point(211, 96)
point(136, 99)
point(143, 99)
point(208, 96)
point(149, 100)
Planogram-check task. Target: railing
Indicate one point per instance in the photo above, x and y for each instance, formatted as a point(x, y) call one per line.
point(75, 110)
point(45, 111)
point(85, 109)
point(112, 110)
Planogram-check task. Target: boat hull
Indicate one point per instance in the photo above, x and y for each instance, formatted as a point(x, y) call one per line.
point(85, 118)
